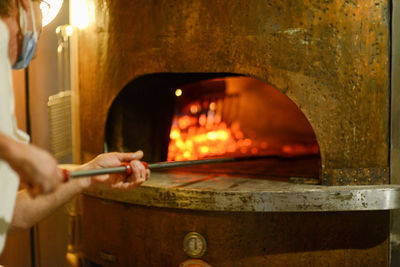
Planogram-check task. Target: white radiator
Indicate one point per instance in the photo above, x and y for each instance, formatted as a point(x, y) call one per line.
point(59, 107)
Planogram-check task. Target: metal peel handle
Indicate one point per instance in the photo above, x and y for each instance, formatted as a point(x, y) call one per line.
point(125, 168)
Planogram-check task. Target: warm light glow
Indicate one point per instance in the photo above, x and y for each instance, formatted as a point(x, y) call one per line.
point(194, 109)
point(205, 128)
point(69, 30)
point(213, 106)
point(82, 13)
point(50, 9)
point(191, 139)
point(175, 134)
point(178, 92)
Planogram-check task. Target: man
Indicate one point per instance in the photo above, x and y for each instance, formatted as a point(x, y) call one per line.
point(20, 27)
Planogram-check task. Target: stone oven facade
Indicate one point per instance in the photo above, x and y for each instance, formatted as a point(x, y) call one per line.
point(331, 58)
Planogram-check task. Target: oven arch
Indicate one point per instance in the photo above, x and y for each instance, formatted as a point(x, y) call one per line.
point(141, 115)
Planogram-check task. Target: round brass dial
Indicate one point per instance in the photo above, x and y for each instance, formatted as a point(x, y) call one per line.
point(194, 245)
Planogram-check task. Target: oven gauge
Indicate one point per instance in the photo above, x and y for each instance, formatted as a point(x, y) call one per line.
point(194, 245)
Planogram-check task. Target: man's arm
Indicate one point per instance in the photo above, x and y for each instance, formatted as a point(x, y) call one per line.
point(36, 167)
point(29, 211)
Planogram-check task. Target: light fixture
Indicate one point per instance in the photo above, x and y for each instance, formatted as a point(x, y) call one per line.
point(50, 9)
point(178, 92)
point(82, 13)
point(69, 30)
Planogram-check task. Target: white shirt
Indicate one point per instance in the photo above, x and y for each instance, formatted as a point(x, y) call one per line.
point(9, 180)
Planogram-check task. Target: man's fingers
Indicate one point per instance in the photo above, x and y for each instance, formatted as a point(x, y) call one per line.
point(102, 178)
point(60, 174)
point(124, 157)
point(120, 181)
point(139, 171)
point(49, 185)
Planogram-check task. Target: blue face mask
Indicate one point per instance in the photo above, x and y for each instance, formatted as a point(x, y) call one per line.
point(30, 39)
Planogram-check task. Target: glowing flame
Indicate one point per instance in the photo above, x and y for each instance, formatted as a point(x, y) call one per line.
point(202, 133)
point(192, 138)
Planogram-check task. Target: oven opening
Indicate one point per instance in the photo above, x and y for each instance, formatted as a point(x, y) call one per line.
point(178, 117)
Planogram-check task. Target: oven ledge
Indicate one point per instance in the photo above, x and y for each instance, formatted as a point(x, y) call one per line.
point(219, 193)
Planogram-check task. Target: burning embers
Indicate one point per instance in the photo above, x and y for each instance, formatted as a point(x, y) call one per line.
point(195, 138)
point(210, 124)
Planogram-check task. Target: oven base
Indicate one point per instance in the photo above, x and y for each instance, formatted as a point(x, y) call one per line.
point(119, 234)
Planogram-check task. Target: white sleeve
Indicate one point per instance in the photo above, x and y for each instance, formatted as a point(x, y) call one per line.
point(9, 180)
point(9, 183)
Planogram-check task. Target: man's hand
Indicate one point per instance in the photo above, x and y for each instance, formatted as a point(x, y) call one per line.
point(115, 159)
point(35, 167)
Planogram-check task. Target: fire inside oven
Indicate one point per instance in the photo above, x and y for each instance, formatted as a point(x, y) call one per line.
point(198, 116)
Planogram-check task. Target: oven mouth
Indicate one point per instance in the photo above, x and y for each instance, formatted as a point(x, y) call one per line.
point(190, 116)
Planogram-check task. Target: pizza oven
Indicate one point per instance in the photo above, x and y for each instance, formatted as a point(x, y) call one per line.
point(298, 92)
